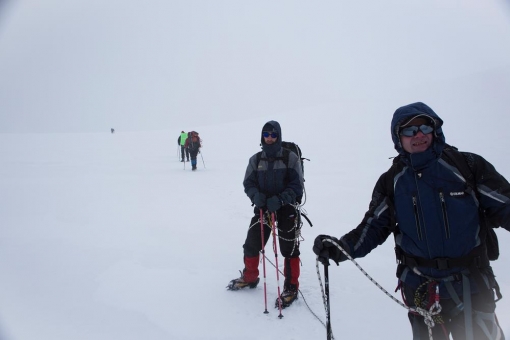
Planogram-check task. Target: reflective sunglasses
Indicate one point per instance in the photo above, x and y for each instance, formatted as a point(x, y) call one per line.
point(412, 131)
point(266, 134)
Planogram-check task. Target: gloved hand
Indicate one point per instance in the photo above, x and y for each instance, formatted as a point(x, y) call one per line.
point(327, 250)
point(274, 203)
point(259, 199)
point(288, 197)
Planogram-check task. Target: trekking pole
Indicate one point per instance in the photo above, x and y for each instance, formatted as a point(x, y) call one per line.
point(202, 158)
point(275, 249)
point(328, 311)
point(263, 257)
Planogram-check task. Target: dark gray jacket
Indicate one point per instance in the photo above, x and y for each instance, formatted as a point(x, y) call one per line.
point(271, 175)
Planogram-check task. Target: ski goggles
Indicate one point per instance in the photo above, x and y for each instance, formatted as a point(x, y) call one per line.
point(266, 134)
point(411, 131)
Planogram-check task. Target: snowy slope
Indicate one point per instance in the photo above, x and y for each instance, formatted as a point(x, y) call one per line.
point(106, 236)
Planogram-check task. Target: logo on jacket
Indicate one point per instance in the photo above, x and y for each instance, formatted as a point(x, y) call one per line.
point(457, 193)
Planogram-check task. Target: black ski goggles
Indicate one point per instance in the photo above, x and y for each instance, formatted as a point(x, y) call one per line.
point(411, 131)
point(266, 134)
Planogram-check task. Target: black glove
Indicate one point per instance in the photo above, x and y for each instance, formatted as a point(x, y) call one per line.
point(327, 250)
point(274, 203)
point(259, 199)
point(288, 197)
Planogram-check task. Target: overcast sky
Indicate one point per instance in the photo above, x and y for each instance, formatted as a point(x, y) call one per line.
point(88, 65)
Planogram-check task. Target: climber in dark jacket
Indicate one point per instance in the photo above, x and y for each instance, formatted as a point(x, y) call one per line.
point(435, 217)
point(193, 146)
point(274, 183)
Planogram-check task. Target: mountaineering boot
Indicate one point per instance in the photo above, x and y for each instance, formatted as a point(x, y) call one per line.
point(249, 275)
point(291, 270)
point(241, 283)
point(194, 167)
point(289, 295)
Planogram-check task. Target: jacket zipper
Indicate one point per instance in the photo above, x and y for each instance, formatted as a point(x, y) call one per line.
point(445, 216)
point(417, 218)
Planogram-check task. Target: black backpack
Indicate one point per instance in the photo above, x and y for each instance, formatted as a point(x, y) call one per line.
point(293, 147)
point(459, 160)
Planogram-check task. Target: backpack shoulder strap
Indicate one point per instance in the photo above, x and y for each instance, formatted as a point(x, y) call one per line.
point(389, 177)
point(286, 155)
point(465, 164)
point(458, 159)
point(259, 155)
point(389, 190)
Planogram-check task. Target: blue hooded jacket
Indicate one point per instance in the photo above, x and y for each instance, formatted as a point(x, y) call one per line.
point(436, 215)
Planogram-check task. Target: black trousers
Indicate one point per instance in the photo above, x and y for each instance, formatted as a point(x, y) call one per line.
point(184, 150)
point(193, 154)
point(288, 242)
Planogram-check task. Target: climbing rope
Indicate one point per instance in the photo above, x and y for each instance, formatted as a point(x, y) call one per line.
point(427, 314)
